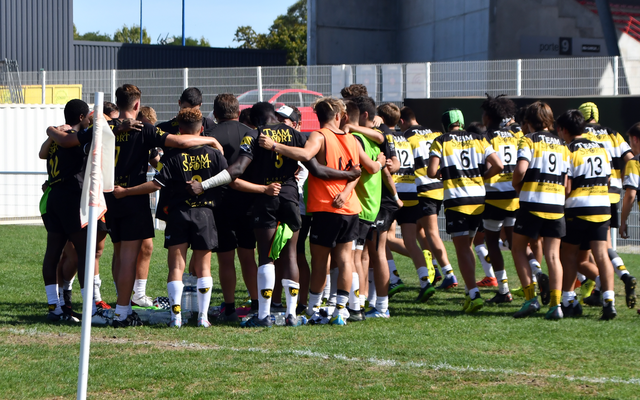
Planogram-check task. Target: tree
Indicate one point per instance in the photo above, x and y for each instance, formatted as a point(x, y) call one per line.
point(189, 41)
point(92, 36)
point(288, 32)
point(131, 35)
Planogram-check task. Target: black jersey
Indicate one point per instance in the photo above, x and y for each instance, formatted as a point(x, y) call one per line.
point(268, 166)
point(172, 126)
point(65, 166)
point(178, 166)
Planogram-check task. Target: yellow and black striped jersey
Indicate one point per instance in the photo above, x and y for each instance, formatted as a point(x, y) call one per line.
point(421, 140)
point(462, 163)
point(516, 130)
point(632, 174)
point(616, 148)
point(542, 191)
point(589, 172)
point(405, 178)
point(500, 191)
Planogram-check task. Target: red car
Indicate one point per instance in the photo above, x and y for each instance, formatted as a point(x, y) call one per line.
point(301, 98)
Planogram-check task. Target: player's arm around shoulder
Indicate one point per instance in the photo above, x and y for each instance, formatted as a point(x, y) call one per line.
point(311, 148)
point(62, 137)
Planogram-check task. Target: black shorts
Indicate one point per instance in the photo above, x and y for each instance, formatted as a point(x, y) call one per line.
point(409, 215)
point(533, 226)
point(460, 224)
point(615, 216)
point(194, 226)
point(234, 225)
point(430, 206)
point(385, 218)
point(134, 226)
point(364, 227)
point(493, 214)
point(63, 212)
point(581, 232)
point(269, 210)
point(304, 233)
point(329, 229)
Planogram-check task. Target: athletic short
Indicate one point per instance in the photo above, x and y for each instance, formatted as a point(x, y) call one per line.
point(363, 233)
point(532, 226)
point(430, 206)
point(269, 210)
point(409, 215)
point(581, 232)
point(460, 224)
point(615, 216)
point(135, 226)
point(234, 226)
point(385, 218)
point(194, 226)
point(63, 212)
point(329, 229)
point(304, 233)
point(494, 218)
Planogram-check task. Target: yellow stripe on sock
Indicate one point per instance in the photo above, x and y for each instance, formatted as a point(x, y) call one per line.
point(556, 295)
point(530, 292)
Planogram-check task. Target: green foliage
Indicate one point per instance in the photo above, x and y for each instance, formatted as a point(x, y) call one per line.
point(288, 32)
point(91, 36)
point(131, 35)
point(189, 41)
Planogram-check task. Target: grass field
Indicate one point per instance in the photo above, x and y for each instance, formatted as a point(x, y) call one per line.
point(429, 351)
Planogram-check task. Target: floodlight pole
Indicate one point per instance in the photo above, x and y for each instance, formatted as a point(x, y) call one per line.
point(183, 38)
point(140, 21)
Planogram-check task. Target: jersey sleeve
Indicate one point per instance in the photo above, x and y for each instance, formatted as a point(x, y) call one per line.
point(164, 171)
point(391, 146)
point(248, 144)
point(436, 147)
point(155, 137)
point(85, 136)
point(632, 174)
point(488, 148)
point(622, 145)
point(525, 149)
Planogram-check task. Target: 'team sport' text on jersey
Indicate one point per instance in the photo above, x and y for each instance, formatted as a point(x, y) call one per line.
point(500, 191)
point(542, 191)
point(421, 139)
point(617, 148)
point(462, 163)
point(589, 172)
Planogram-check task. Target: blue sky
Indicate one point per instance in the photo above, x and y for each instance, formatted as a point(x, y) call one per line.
point(216, 20)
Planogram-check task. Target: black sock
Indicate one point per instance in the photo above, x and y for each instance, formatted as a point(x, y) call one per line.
point(254, 304)
point(229, 308)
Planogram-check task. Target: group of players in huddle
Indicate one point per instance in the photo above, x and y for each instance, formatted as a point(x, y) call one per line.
point(544, 187)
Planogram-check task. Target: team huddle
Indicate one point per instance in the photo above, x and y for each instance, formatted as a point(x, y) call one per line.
point(539, 187)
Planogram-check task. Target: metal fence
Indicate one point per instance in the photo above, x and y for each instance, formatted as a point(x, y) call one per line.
point(161, 89)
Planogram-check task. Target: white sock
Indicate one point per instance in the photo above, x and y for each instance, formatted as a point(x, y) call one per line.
point(354, 293)
point(341, 302)
point(121, 312)
point(314, 301)
point(68, 285)
point(618, 266)
point(204, 297)
point(503, 282)
point(372, 295)
point(446, 269)
point(393, 272)
point(129, 309)
point(423, 274)
point(382, 303)
point(174, 290)
point(598, 283)
point(140, 287)
point(97, 283)
point(581, 277)
point(291, 290)
point(363, 300)
point(334, 287)
point(473, 293)
point(60, 294)
point(483, 256)
point(266, 282)
point(327, 288)
point(535, 267)
point(608, 296)
point(52, 298)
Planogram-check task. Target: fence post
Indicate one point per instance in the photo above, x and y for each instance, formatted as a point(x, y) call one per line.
point(113, 86)
point(259, 71)
point(185, 78)
point(519, 78)
point(44, 86)
point(427, 80)
point(616, 60)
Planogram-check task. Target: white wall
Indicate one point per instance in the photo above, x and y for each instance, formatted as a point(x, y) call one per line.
point(22, 132)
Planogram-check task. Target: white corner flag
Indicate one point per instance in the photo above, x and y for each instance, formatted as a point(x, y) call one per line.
point(98, 178)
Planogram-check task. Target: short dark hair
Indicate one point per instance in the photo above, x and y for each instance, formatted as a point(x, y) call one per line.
point(539, 116)
point(390, 114)
point(476, 127)
point(245, 116)
point(498, 108)
point(634, 130)
point(573, 121)
point(192, 95)
point(190, 119)
point(226, 106)
point(260, 113)
point(365, 104)
point(108, 107)
point(326, 108)
point(355, 90)
point(73, 110)
point(127, 95)
point(353, 112)
point(407, 114)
